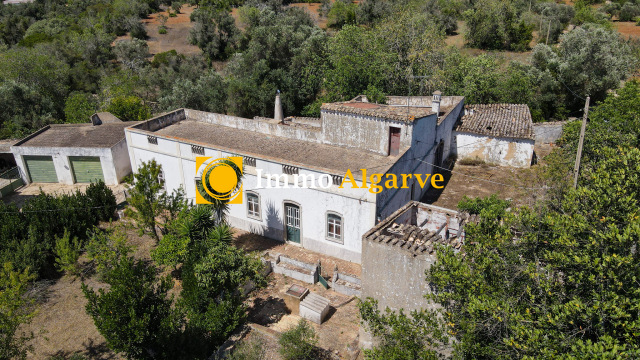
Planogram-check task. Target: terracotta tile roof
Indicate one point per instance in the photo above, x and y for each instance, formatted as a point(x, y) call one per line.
point(78, 135)
point(396, 113)
point(330, 158)
point(500, 120)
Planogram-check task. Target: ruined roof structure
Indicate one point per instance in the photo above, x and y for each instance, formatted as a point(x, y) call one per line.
point(418, 228)
point(499, 120)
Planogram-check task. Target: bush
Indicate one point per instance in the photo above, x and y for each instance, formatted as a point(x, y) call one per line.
point(79, 107)
point(16, 309)
point(67, 251)
point(248, 350)
point(135, 314)
point(298, 343)
point(102, 200)
point(129, 108)
point(107, 248)
point(162, 30)
point(629, 11)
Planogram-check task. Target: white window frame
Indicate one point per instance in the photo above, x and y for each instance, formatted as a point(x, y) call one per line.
point(332, 236)
point(257, 216)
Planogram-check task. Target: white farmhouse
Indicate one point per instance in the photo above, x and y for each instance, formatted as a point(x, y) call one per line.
point(404, 136)
point(500, 134)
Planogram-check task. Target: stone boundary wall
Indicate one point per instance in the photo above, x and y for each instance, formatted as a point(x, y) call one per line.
point(549, 132)
point(279, 266)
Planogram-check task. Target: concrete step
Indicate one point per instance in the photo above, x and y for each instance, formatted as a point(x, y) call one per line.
point(314, 307)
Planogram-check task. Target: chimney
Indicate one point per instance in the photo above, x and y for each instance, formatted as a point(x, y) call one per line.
point(277, 113)
point(95, 120)
point(435, 103)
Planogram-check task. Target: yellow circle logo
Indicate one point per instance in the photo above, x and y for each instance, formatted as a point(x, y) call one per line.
point(218, 180)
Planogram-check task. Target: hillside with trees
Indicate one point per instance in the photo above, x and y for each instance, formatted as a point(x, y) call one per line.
point(61, 61)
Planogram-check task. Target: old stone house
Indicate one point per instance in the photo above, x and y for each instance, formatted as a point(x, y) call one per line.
point(500, 134)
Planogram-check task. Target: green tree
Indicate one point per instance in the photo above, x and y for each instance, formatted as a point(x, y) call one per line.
point(135, 314)
point(132, 53)
point(589, 61)
point(214, 32)
point(67, 252)
point(342, 12)
point(16, 309)
point(129, 108)
point(495, 25)
point(208, 93)
point(106, 248)
point(298, 343)
point(79, 107)
point(146, 198)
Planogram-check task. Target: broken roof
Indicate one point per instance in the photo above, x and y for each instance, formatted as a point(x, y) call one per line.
point(391, 112)
point(499, 120)
point(77, 135)
point(330, 158)
point(401, 229)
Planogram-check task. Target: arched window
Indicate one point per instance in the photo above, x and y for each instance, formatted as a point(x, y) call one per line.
point(334, 227)
point(253, 205)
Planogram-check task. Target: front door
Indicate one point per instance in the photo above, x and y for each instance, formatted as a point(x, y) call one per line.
point(292, 222)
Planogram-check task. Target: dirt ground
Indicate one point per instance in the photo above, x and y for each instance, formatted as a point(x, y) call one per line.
point(252, 242)
point(26, 192)
point(177, 34)
point(337, 335)
point(628, 29)
point(62, 326)
point(521, 185)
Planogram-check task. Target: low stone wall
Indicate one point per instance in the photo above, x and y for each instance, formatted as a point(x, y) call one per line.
point(549, 132)
point(346, 284)
point(295, 269)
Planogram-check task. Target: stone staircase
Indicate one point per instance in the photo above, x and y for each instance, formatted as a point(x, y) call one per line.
point(314, 308)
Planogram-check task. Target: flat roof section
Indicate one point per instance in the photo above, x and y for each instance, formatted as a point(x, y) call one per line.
point(333, 159)
point(78, 135)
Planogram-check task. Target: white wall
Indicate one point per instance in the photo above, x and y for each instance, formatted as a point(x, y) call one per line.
point(63, 166)
point(494, 150)
point(356, 206)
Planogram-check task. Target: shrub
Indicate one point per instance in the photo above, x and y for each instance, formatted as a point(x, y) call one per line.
point(67, 251)
point(79, 107)
point(107, 248)
point(16, 309)
point(135, 314)
point(629, 11)
point(298, 343)
point(102, 200)
point(162, 30)
point(129, 108)
point(249, 350)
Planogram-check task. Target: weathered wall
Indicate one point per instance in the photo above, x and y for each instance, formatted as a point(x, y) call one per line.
point(120, 156)
point(395, 278)
point(549, 132)
point(363, 132)
point(63, 166)
point(422, 101)
point(494, 150)
point(264, 126)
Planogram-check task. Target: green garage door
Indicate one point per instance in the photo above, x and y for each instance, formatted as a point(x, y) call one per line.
point(41, 169)
point(86, 169)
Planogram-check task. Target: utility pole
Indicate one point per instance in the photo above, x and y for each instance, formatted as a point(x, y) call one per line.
point(548, 31)
point(576, 170)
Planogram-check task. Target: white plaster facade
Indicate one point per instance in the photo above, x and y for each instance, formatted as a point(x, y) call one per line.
point(358, 208)
point(114, 161)
point(494, 150)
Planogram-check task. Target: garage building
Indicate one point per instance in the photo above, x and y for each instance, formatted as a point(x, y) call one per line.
point(75, 153)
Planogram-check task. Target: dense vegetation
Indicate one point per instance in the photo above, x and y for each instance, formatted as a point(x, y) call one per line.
point(28, 238)
point(58, 63)
point(558, 280)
